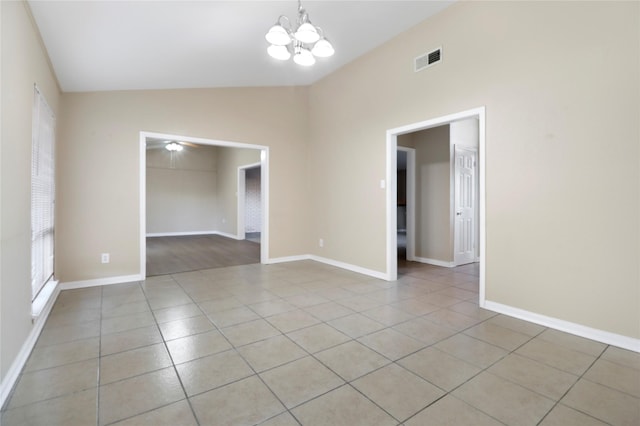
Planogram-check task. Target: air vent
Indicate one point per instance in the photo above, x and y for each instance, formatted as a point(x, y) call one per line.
point(425, 61)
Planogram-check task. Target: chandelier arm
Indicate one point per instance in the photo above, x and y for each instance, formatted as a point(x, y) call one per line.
point(280, 22)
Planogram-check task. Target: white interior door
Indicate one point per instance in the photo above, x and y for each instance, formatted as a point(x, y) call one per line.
point(465, 205)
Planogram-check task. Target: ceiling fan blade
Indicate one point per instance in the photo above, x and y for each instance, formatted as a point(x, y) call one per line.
point(189, 144)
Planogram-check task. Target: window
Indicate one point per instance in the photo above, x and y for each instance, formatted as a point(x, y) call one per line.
point(42, 193)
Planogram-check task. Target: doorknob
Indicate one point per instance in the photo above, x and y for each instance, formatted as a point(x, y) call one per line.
point(458, 213)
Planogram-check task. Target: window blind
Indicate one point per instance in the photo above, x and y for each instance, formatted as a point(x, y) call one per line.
point(42, 193)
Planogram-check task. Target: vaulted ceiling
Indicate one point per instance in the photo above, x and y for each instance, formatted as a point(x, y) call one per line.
point(128, 45)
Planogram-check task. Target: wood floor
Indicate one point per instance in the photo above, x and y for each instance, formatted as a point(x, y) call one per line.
point(171, 255)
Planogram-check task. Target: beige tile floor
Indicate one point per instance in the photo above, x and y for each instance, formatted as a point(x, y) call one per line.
point(306, 343)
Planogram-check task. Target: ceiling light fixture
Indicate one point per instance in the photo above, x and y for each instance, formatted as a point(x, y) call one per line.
point(306, 42)
point(173, 146)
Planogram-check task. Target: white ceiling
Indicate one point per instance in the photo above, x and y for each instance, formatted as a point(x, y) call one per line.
point(127, 45)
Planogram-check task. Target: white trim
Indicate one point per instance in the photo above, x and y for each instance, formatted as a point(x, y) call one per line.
point(264, 167)
point(481, 251)
point(570, 327)
point(338, 264)
point(241, 195)
point(180, 234)
point(392, 209)
point(101, 281)
point(264, 199)
point(392, 146)
point(143, 203)
point(226, 234)
point(435, 262)
point(350, 267)
point(286, 259)
point(45, 298)
point(10, 378)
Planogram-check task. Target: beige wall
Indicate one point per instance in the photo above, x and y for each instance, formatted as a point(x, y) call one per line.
point(197, 193)
point(181, 194)
point(562, 172)
point(433, 238)
point(229, 159)
point(99, 164)
point(23, 64)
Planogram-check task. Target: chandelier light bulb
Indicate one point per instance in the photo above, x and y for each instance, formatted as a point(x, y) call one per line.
point(323, 49)
point(278, 36)
point(307, 33)
point(304, 57)
point(279, 52)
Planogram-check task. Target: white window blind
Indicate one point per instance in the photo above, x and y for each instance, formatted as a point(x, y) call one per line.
point(42, 193)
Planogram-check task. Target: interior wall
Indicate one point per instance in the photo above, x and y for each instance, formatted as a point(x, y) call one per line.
point(229, 159)
point(99, 163)
point(181, 190)
point(562, 172)
point(24, 62)
point(433, 194)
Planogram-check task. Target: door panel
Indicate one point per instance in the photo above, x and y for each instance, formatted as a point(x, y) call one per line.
point(465, 204)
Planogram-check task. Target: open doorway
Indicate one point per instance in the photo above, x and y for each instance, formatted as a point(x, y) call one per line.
point(405, 196)
point(249, 203)
point(396, 138)
point(203, 175)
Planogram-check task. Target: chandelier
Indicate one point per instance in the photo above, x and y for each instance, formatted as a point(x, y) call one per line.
point(306, 42)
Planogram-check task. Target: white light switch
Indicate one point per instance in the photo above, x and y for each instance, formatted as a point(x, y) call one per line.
point(383, 184)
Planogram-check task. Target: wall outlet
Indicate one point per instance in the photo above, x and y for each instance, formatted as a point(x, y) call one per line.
point(105, 258)
point(321, 243)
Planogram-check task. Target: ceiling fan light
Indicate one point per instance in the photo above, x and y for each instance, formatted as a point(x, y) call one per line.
point(307, 33)
point(173, 146)
point(278, 35)
point(279, 52)
point(304, 57)
point(323, 49)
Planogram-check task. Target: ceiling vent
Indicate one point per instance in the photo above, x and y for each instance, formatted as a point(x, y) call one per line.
point(425, 61)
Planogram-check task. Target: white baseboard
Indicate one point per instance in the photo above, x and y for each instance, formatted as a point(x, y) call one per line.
point(233, 236)
point(350, 267)
point(342, 265)
point(286, 259)
point(10, 378)
point(434, 262)
point(180, 234)
point(101, 281)
point(579, 330)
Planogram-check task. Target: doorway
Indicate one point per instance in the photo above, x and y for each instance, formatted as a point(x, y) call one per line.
point(262, 154)
point(392, 176)
point(249, 202)
point(405, 196)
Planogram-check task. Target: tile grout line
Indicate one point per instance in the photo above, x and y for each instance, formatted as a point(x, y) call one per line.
point(238, 353)
point(166, 348)
point(581, 376)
